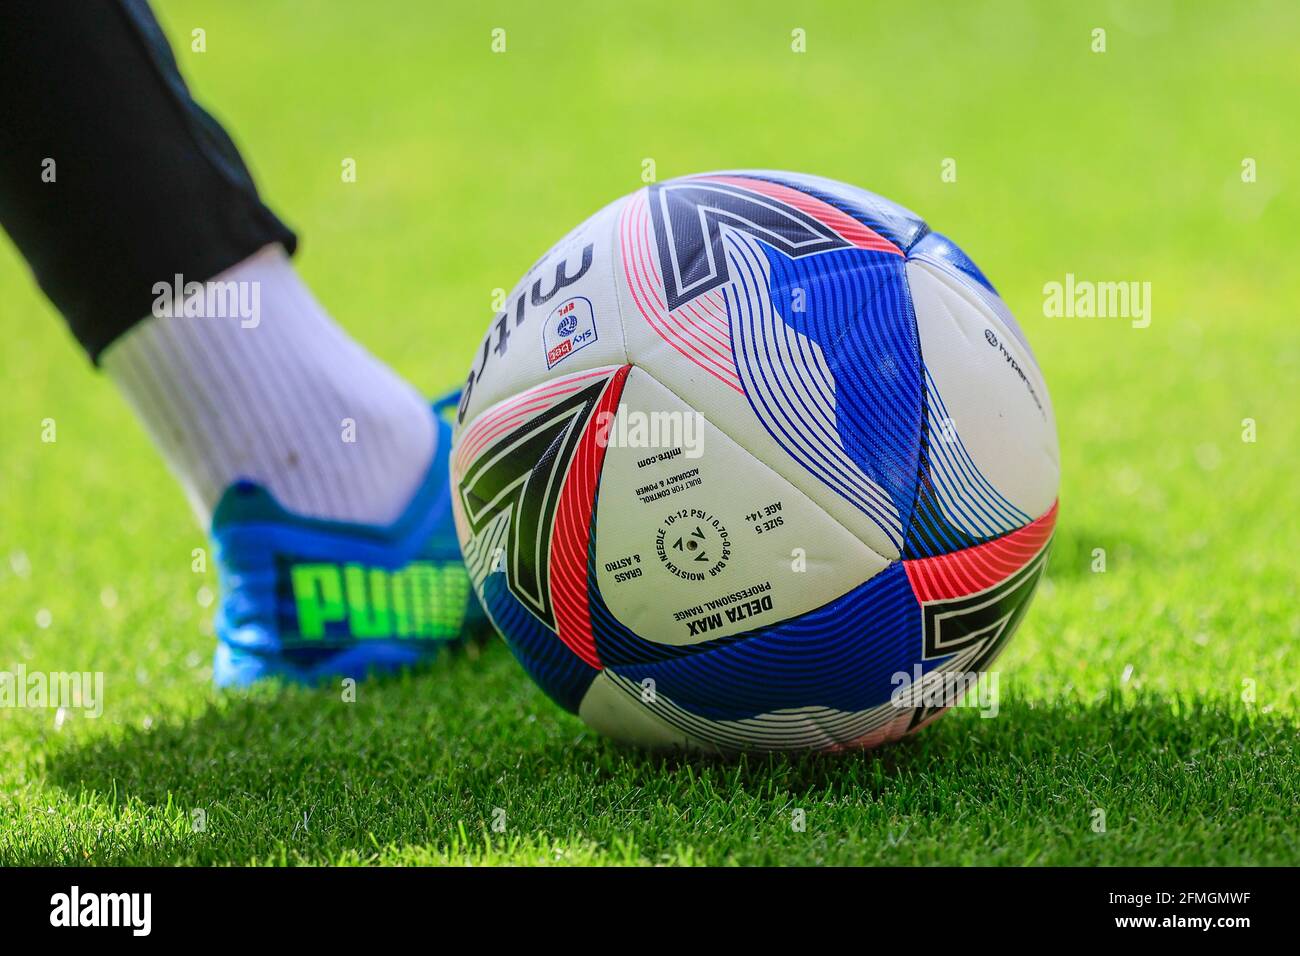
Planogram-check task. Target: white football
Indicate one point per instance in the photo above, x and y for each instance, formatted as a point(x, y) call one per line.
point(755, 461)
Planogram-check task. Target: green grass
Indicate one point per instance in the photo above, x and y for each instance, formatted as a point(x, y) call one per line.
point(1163, 692)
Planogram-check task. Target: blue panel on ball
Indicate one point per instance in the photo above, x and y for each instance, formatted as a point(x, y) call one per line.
point(557, 670)
point(942, 249)
point(843, 656)
point(857, 307)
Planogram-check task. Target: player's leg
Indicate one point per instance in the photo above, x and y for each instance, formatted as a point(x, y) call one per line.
point(322, 470)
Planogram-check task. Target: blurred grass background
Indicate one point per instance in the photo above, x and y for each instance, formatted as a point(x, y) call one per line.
point(1123, 691)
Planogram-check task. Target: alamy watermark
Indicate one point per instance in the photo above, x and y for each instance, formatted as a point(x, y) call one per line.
point(54, 690)
point(133, 911)
point(209, 300)
point(939, 688)
point(1084, 299)
point(664, 430)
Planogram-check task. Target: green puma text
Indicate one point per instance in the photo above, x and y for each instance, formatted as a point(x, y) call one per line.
point(423, 600)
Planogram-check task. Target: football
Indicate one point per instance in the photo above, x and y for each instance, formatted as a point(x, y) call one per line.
point(755, 460)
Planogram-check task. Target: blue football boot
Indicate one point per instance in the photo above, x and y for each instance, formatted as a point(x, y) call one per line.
point(307, 600)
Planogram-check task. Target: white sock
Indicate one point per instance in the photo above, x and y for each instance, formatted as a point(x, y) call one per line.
point(268, 393)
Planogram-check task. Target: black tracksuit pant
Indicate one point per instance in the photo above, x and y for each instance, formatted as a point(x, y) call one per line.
point(111, 177)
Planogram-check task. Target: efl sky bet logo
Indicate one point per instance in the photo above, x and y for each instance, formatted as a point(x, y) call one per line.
point(425, 600)
point(570, 326)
